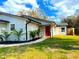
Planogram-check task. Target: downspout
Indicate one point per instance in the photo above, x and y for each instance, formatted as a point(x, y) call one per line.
point(26, 29)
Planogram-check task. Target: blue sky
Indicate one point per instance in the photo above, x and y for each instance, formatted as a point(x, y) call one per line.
point(55, 9)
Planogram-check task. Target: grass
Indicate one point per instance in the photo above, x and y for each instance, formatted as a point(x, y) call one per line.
point(58, 47)
point(67, 37)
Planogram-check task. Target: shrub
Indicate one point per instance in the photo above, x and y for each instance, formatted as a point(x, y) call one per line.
point(18, 33)
point(38, 32)
point(6, 35)
point(33, 34)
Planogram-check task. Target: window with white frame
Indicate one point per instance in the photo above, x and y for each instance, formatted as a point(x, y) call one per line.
point(63, 29)
point(12, 26)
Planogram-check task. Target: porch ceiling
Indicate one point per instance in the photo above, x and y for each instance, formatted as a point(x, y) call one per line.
point(43, 23)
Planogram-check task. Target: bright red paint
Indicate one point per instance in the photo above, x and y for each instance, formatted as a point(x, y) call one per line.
point(47, 31)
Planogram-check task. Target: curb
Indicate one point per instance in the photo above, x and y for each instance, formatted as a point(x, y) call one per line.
point(19, 44)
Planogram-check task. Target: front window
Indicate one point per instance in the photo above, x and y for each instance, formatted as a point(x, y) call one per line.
point(62, 29)
point(12, 26)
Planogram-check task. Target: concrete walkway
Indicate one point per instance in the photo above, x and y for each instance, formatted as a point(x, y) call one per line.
point(27, 43)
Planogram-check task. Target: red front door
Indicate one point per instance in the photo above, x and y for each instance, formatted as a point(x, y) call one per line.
point(47, 31)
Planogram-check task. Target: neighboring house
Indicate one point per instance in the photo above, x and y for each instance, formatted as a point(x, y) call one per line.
point(60, 29)
point(9, 22)
point(72, 31)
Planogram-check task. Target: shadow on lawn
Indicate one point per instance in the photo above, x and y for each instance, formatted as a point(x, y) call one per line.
point(68, 44)
point(65, 43)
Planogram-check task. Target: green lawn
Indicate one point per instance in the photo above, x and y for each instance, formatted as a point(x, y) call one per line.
point(58, 47)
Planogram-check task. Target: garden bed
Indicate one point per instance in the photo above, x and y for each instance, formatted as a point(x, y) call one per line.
point(16, 42)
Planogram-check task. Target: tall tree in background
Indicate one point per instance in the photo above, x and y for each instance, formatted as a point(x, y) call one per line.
point(68, 21)
point(21, 12)
point(72, 21)
point(34, 12)
point(77, 23)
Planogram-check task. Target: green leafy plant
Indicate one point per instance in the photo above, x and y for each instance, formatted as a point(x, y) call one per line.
point(33, 34)
point(18, 33)
point(6, 35)
point(38, 31)
point(1, 38)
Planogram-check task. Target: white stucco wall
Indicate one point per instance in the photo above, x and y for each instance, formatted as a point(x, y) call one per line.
point(31, 27)
point(42, 31)
point(53, 31)
point(19, 24)
point(3, 26)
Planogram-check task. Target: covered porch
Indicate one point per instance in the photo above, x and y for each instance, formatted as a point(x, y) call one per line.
point(44, 26)
point(47, 29)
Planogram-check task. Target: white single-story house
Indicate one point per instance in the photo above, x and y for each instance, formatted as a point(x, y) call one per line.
point(28, 23)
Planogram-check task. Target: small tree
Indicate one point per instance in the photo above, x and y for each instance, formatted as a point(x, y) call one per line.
point(18, 33)
point(33, 34)
point(6, 35)
point(1, 38)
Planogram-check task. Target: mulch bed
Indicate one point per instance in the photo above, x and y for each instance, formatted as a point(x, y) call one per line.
point(16, 42)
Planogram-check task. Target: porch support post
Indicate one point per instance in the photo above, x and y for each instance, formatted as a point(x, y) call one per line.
point(26, 30)
point(73, 31)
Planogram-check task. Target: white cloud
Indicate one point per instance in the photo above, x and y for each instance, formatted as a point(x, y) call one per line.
point(65, 7)
point(52, 8)
point(32, 2)
point(2, 9)
point(12, 6)
point(55, 19)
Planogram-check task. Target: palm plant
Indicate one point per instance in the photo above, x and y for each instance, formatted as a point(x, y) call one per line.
point(18, 33)
point(33, 34)
point(1, 38)
point(6, 35)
